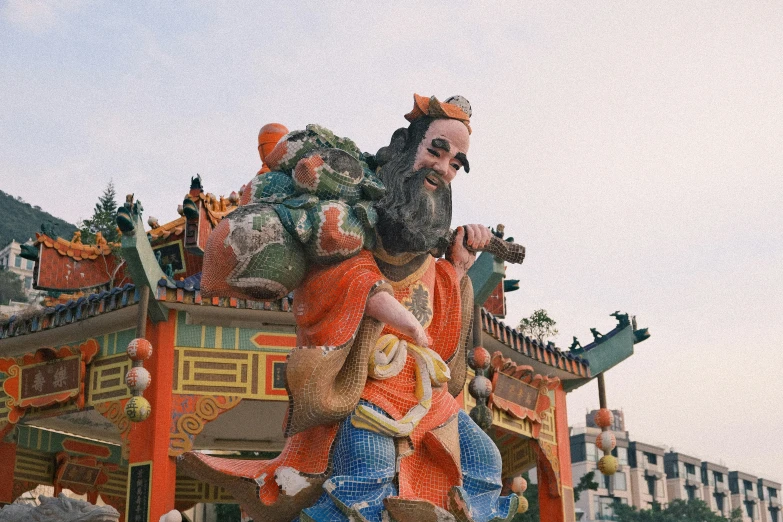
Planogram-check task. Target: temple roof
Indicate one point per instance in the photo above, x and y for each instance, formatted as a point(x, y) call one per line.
point(75, 248)
point(187, 291)
point(173, 227)
point(548, 354)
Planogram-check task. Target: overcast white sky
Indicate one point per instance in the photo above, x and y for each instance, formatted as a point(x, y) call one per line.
point(634, 148)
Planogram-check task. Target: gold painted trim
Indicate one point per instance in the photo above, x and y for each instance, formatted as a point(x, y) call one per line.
point(191, 424)
point(415, 276)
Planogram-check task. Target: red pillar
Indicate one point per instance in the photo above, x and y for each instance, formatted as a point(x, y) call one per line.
point(149, 439)
point(559, 508)
point(7, 463)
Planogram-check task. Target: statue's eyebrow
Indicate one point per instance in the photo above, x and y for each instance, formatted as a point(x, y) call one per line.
point(464, 160)
point(440, 143)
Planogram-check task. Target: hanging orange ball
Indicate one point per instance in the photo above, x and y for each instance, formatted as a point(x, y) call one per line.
point(139, 349)
point(604, 418)
point(518, 485)
point(606, 441)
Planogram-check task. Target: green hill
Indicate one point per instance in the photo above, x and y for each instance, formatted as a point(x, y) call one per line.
point(20, 221)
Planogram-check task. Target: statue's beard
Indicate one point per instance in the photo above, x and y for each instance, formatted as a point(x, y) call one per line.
point(411, 218)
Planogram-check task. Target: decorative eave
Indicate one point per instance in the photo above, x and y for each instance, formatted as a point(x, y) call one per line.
point(73, 311)
point(575, 367)
point(75, 249)
point(610, 349)
point(217, 208)
point(188, 291)
point(175, 227)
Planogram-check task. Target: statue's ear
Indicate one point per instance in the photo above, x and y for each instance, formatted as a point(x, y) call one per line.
point(396, 146)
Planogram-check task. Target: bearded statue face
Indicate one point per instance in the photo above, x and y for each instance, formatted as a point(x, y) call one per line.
point(417, 168)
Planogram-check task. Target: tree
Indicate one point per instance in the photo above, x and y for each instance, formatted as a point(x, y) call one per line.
point(538, 326)
point(586, 482)
point(228, 512)
point(677, 511)
point(103, 218)
point(11, 287)
point(104, 221)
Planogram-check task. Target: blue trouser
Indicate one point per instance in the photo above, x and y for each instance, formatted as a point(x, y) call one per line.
point(363, 473)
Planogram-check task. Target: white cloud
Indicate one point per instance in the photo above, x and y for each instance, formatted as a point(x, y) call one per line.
point(39, 16)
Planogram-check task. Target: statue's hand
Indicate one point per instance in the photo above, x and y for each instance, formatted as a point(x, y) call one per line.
point(385, 308)
point(478, 237)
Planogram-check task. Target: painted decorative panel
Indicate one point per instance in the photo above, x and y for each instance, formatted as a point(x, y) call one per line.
point(248, 375)
point(107, 379)
point(33, 466)
point(191, 490)
point(202, 336)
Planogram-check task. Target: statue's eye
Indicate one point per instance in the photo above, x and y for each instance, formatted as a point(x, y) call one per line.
point(456, 166)
point(434, 152)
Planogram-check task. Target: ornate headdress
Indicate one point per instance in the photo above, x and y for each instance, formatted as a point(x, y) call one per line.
point(455, 108)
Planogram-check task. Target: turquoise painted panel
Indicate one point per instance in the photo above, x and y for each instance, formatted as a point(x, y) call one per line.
point(187, 334)
point(209, 336)
point(229, 338)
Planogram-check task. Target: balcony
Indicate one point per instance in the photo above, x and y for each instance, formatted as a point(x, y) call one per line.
point(692, 482)
point(720, 488)
point(750, 496)
point(774, 503)
point(651, 471)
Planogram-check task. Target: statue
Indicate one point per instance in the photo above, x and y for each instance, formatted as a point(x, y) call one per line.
point(58, 509)
point(373, 429)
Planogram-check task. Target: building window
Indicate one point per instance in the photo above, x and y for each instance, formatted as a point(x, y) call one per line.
point(773, 493)
point(691, 493)
point(651, 486)
point(622, 456)
point(604, 508)
point(773, 515)
point(30, 264)
point(17, 261)
point(651, 458)
point(718, 477)
point(749, 509)
point(28, 282)
point(592, 452)
point(620, 484)
point(719, 503)
point(690, 469)
point(748, 485)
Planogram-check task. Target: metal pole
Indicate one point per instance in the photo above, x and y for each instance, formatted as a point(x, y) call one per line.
point(141, 319)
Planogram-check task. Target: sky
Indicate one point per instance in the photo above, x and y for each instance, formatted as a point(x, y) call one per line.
point(634, 148)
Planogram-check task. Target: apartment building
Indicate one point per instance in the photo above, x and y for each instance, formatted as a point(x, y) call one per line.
point(744, 494)
point(648, 484)
point(598, 505)
point(624, 486)
point(769, 501)
point(11, 260)
point(683, 476)
point(715, 487)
